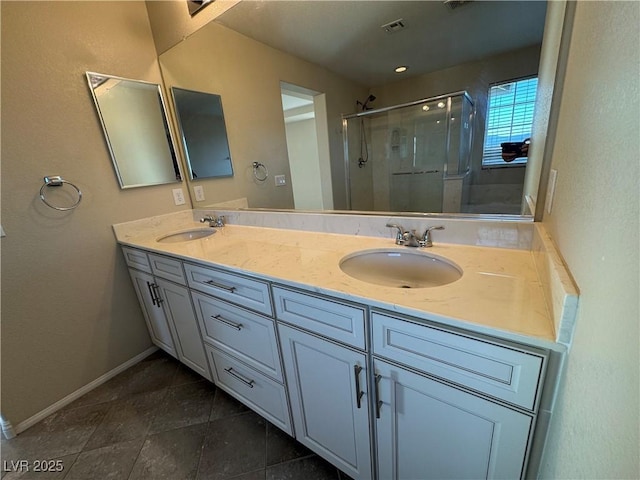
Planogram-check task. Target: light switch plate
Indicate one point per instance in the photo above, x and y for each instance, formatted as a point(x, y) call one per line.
point(199, 193)
point(551, 189)
point(178, 196)
point(281, 181)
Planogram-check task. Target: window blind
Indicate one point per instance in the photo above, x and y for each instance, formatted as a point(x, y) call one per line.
point(509, 118)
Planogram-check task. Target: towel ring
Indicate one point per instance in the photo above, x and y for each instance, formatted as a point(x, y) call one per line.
point(57, 181)
point(256, 173)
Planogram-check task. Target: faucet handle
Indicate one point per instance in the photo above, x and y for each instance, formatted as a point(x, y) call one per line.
point(213, 221)
point(400, 234)
point(426, 240)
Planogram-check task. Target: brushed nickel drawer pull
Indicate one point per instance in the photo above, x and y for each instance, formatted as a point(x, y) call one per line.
point(359, 393)
point(230, 371)
point(220, 318)
point(218, 285)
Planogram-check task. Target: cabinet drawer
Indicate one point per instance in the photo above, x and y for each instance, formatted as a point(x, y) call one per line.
point(246, 292)
point(339, 321)
point(239, 332)
point(264, 395)
point(500, 371)
point(167, 268)
point(136, 259)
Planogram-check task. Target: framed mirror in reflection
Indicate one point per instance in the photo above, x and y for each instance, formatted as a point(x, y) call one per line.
point(133, 118)
point(203, 132)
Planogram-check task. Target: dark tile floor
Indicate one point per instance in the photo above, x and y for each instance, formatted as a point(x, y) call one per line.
point(159, 420)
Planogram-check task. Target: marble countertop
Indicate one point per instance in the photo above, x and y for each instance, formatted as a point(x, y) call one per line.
point(499, 293)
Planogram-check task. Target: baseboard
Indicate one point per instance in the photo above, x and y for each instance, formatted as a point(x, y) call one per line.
point(29, 422)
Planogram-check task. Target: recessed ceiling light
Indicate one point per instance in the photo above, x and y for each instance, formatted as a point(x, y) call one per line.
point(425, 108)
point(441, 104)
point(401, 69)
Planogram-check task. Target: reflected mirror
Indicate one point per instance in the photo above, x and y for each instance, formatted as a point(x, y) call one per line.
point(132, 114)
point(203, 133)
point(347, 51)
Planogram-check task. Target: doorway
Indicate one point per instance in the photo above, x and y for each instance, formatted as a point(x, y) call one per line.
point(307, 137)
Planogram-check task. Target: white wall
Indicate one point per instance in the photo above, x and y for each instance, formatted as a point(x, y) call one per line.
point(69, 312)
point(595, 223)
point(304, 163)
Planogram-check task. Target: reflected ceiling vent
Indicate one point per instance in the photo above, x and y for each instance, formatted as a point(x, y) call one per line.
point(393, 27)
point(453, 4)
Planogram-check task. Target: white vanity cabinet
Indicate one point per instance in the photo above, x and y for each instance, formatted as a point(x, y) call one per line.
point(378, 394)
point(241, 343)
point(430, 422)
point(328, 387)
point(167, 307)
point(430, 430)
point(143, 284)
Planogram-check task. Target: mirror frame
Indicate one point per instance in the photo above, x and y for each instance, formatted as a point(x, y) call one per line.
point(108, 138)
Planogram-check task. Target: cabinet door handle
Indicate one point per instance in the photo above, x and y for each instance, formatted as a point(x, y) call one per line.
point(156, 291)
point(219, 285)
point(230, 371)
point(220, 318)
point(359, 393)
point(378, 377)
point(151, 292)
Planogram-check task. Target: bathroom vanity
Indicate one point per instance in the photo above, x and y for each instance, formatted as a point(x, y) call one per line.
point(453, 381)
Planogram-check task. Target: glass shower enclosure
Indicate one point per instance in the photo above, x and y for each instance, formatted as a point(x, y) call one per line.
point(412, 157)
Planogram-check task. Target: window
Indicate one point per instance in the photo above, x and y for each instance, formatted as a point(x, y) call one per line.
point(509, 118)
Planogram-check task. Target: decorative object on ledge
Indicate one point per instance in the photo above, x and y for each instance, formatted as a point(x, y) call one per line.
point(260, 171)
point(196, 5)
point(58, 181)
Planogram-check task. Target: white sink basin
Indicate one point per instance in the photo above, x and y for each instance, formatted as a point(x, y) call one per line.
point(400, 268)
point(186, 235)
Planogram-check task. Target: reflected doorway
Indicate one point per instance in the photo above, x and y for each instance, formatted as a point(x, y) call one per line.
point(307, 137)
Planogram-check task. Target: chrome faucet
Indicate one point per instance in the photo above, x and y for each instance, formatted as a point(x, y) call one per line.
point(213, 221)
point(409, 238)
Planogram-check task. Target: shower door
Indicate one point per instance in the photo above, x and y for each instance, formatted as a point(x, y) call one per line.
point(409, 158)
point(417, 152)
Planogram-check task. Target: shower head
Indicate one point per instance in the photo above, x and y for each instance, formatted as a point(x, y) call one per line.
point(364, 105)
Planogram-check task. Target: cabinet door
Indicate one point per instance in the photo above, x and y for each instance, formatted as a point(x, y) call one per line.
point(144, 285)
point(329, 400)
point(178, 309)
point(427, 429)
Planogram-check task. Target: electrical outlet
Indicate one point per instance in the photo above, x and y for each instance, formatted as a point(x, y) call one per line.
point(551, 189)
point(199, 193)
point(178, 196)
point(281, 181)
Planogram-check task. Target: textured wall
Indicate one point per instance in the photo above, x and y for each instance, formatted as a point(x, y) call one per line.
point(69, 312)
point(595, 223)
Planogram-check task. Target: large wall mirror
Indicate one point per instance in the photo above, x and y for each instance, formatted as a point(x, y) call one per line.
point(203, 132)
point(346, 51)
point(132, 115)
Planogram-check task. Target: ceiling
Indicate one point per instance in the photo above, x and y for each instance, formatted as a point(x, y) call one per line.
point(347, 36)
